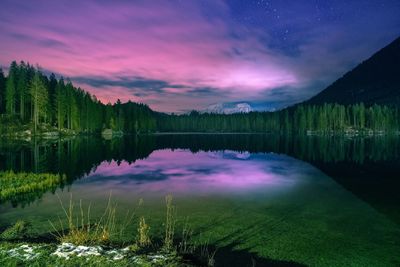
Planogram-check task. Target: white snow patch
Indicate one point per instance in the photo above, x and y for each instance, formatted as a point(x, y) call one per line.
point(228, 108)
point(117, 254)
point(24, 252)
point(67, 250)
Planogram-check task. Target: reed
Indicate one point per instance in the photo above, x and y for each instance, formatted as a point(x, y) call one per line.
point(206, 255)
point(79, 228)
point(186, 245)
point(82, 230)
point(170, 221)
point(143, 239)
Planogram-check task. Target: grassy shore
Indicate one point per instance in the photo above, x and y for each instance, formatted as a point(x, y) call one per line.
point(77, 239)
point(17, 186)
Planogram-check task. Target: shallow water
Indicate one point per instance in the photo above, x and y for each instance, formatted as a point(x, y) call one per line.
point(270, 199)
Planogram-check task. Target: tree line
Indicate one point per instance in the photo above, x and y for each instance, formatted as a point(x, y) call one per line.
point(28, 97)
point(325, 119)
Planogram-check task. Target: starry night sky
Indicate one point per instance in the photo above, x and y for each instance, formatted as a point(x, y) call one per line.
point(177, 56)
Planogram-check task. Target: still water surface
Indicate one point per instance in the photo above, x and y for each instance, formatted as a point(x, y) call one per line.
point(311, 200)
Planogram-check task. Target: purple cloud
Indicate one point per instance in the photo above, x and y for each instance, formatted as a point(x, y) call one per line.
point(104, 46)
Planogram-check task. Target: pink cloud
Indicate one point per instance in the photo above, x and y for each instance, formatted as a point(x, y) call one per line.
point(156, 40)
point(192, 45)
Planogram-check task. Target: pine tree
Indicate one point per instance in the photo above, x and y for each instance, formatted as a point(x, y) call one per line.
point(22, 89)
point(60, 103)
point(2, 91)
point(39, 96)
point(11, 88)
point(74, 113)
point(71, 106)
point(52, 108)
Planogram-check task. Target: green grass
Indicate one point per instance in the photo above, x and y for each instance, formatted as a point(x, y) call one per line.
point(81, 230)
point(14, 186)
point(324, 227)
point(44, 257)
point(314, 227)
point(17, 231)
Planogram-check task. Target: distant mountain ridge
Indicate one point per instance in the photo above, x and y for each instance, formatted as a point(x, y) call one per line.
point(227, 108)
point(374, 81)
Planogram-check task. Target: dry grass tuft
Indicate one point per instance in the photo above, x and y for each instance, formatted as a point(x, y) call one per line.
point(143, 240)
point(170, 221)
point(82, 231)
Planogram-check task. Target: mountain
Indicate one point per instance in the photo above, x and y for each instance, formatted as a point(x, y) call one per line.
point(374, 81)
point(228, 108)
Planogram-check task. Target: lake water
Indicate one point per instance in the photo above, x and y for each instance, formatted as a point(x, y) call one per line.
point(319, 201)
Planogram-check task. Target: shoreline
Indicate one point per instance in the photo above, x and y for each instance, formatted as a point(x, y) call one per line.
point(108, 134)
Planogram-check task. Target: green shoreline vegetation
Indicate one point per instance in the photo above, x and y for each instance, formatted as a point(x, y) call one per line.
point(32, 104)
point(99, 241)
point(16, 187)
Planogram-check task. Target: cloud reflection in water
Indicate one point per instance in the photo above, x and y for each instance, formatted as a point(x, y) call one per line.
point(181, 171)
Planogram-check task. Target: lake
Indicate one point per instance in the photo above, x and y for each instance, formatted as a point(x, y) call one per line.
point(269, 199)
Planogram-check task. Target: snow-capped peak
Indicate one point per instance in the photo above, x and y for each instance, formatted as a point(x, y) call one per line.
point(228, 108)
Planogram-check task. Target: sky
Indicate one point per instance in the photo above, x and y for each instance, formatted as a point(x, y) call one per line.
point(180, 55)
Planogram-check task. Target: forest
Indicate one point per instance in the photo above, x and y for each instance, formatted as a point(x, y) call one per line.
point(30, 99)
point(324, 119)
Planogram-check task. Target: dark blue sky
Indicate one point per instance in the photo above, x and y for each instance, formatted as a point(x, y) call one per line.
point(182, 55)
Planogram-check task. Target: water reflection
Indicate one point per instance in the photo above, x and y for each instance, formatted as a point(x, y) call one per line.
point(368, 167)
point(248, 192)
point(182, 171)
point(78, 156)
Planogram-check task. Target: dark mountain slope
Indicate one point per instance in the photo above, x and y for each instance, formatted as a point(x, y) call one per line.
point(376, 80)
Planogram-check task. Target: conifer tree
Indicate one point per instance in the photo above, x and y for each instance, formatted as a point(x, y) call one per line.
point(22, 89)
point(60, 103)
point(39, 96)
point(2, 91)
point(52, 107)
point(11, 89)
